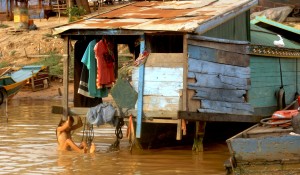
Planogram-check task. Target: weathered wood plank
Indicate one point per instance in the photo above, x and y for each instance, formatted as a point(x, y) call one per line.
point(184, 101)
point(226, 107)
point(218, 56)
point(206, 67)
point(160, 74)
point(236, 48)
point(66, 61)
point(152, 103)
point(225, 95)
point(165, 60)
point(219, 81)
point(233, 58)
point(166, 89)
point(218, 117)
point(82, 111)
point(193, 104)
point(161, 81)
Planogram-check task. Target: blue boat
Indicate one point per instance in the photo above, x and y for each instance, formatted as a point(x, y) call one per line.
point(12, 82)
point(265, 150)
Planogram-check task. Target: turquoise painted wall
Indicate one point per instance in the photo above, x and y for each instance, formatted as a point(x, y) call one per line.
point(265, 80)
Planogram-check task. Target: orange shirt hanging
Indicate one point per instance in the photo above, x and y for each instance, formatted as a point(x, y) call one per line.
point(105, 64)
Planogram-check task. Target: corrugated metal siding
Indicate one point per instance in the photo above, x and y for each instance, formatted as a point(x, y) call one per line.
point(234, 29)
point(177, 16)
point(261, 36)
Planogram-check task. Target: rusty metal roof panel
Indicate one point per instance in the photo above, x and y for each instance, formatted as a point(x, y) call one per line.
point(182, 16)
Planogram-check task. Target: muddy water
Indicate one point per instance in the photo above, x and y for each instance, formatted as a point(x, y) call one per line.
point(28, 146)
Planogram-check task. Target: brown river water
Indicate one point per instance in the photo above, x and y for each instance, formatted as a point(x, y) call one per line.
point(28, 146)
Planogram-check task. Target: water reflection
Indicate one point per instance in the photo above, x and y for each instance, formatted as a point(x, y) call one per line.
point(28, 146)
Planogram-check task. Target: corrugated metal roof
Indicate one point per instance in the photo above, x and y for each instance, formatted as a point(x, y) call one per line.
point(178, 16)
point(264, 37)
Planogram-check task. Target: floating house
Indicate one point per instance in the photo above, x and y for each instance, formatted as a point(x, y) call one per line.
point(273, 69)
point(198, 68)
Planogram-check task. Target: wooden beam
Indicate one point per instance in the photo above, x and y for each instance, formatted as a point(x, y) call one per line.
point(66, 57)
point(165, 60)
point(218, 56)
point(218, 117)
point(184, 99)
point(241, 49)
point(82, 111)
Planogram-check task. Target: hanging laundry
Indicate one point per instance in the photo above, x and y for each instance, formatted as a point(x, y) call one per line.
point(83, 83)
point(105, 63)
point(102, 114)
point(89, 83)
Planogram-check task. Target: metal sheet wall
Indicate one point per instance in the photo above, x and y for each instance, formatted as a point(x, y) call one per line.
point(234, 29)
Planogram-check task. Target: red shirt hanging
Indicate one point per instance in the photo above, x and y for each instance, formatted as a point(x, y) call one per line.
point(105, 64)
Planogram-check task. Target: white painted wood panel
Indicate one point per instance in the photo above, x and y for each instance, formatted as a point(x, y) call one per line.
point(162, 88)
point(160, 74)
point(153, 103)
point(161, 81)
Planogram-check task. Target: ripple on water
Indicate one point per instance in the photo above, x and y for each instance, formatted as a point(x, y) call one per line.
point(28, 146)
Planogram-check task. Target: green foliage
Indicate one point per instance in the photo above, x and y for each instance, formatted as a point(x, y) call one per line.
point(75, 13)
point(4, 64)
point(48, 35)
point(3, 26)
point(12, 53)
point(54, 64)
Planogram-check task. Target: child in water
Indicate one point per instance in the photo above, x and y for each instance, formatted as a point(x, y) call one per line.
point(64, 138)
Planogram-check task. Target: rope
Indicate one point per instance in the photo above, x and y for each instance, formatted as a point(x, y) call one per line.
point(118, 131)
point(88, 133)
point(281, 93)
point(280, 74)
point(296, 94)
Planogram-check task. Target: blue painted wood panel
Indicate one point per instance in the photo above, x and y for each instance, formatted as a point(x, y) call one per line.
point(269, 148)
point(206, 67)
point(266, 81)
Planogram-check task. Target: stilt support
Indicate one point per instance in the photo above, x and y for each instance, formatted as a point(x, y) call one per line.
point(199, 135)
point(6, 110)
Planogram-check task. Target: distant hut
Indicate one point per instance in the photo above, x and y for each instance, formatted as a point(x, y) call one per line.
point(37, 9)
point(198, 67)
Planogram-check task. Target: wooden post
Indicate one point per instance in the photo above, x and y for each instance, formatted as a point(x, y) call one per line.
point(66, 61)
point(7, 11)
point(199, 135)
point(32, 84)
point(184, 90)
point(140, 91)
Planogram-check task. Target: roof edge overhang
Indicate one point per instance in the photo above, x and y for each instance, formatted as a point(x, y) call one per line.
point(270, 22)
point(116, 32)
point(218, 40)
point(274, 51)
point(224, 18)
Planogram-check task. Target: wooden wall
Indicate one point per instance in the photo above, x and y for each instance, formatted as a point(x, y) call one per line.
point(265, 82)
point(163, 81)
point(221, 75)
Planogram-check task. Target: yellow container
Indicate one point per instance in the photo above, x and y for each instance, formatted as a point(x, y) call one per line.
point(21, 18)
